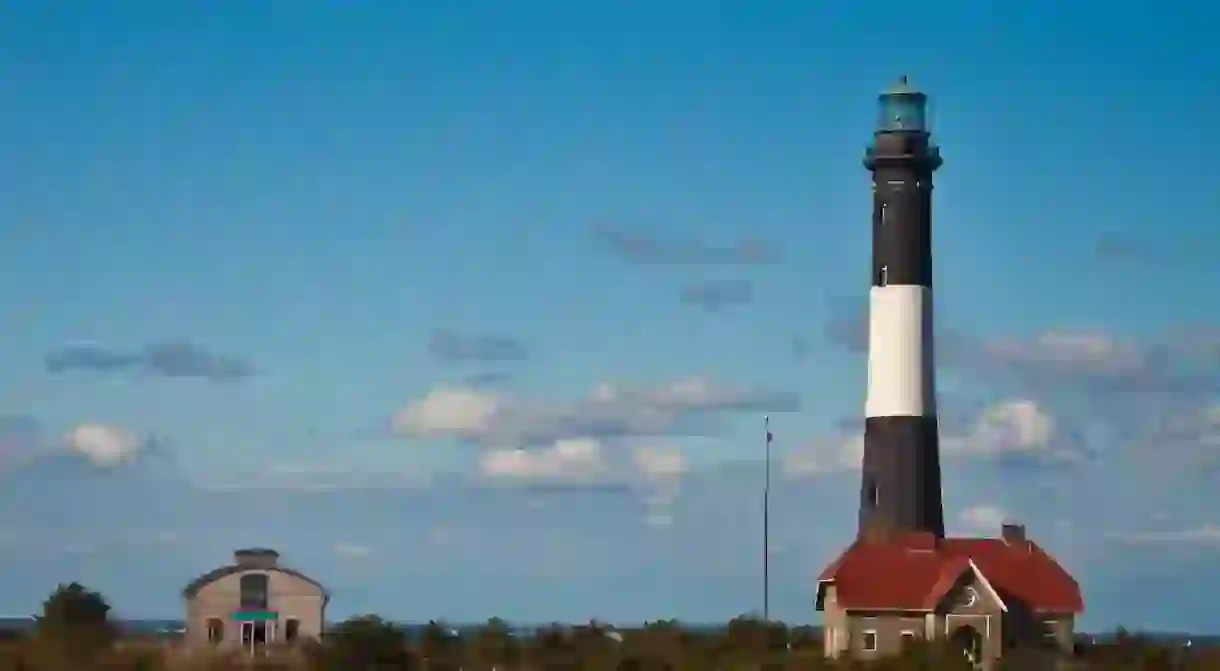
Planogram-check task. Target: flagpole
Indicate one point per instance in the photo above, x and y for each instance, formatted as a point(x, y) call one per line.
point(767, 520)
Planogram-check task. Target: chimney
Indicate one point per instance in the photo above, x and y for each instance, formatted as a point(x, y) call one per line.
point(256, 558)
point(1013, 533)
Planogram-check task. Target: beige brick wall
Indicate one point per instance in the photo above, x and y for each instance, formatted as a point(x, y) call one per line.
point(289, 595)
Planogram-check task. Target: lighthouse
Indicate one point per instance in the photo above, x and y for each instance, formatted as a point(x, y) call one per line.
point(901, 579)
point(900, 489)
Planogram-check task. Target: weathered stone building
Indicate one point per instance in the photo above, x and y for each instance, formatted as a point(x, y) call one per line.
point(252, 603)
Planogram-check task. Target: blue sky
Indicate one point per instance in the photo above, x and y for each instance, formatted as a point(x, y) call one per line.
point(306, 276)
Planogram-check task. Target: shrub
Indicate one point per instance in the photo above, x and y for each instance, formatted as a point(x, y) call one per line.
point(364, 643)
point(74, 633)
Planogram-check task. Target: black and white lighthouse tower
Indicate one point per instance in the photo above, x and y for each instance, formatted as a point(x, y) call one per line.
point(900, 489)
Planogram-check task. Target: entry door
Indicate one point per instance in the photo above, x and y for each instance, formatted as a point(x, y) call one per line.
point(247, 635)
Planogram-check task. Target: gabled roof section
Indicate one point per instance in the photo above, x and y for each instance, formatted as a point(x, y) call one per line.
point(952, 573)
point(978, 573)
point(212, 576)
point(914, 571)
point(827, 577)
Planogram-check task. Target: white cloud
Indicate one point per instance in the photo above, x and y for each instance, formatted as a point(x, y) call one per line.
point(609, 410)
point(450, 411)
point(660, 463)
point(103, 444)
point(1014, 426)
point(985, 518)
point(1183, 363)
point(577, 459)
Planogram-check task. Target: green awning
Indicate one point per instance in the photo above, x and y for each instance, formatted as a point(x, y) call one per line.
point(255, 615)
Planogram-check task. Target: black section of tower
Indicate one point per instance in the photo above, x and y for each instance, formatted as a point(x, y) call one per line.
point(900, 489)
point(902, 160)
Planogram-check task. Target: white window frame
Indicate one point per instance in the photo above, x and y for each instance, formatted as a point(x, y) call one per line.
point(908, 633)
point(247, 625)
point(864, 640)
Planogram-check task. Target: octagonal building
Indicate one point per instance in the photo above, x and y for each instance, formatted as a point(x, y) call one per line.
point(252, 603)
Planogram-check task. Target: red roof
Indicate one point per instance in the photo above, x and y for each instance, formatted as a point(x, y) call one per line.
point(915, 571)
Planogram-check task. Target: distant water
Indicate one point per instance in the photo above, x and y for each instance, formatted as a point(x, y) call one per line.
point(128, 626)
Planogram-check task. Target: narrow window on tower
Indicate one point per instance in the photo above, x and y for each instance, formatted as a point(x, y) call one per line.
point(884, 213)
point(870, 493)
point(883, 276)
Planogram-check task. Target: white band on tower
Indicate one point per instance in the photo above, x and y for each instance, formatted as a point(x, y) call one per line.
point(901, 365)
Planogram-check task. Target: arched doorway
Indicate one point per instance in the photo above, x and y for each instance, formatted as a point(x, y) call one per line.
point(967, 639)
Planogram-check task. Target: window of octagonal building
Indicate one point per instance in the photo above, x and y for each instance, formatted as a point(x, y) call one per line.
point(254, 589)
point(216, 630)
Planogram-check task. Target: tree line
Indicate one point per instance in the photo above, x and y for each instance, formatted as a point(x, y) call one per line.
point(75, 632)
